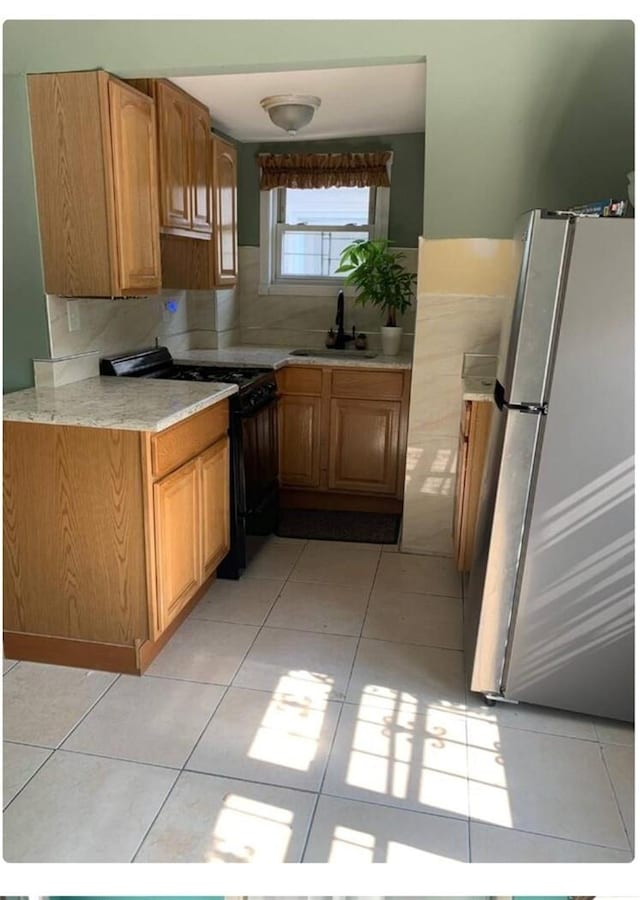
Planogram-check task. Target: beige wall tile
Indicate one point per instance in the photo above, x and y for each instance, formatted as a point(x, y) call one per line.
point(466, 266)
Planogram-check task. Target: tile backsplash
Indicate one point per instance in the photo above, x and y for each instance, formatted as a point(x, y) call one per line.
point(303, 321)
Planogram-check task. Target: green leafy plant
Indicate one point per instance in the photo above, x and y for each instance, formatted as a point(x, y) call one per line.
point(377, 274)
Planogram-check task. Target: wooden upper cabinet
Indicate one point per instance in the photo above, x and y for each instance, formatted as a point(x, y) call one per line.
point(134, 164)
point(174, 137)
point(186, 170)
point(201, 171)
point(225, 191)
point(94, 152)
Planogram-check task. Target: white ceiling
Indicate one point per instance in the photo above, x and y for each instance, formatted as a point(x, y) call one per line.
point(365, 100)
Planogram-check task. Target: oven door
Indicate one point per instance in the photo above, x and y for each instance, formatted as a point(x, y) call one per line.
point(260, 465)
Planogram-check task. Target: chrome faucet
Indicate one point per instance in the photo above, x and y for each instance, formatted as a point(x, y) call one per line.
point(341, 337)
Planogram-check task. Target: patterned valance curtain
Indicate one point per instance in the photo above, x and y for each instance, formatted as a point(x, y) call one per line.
point(323, 170)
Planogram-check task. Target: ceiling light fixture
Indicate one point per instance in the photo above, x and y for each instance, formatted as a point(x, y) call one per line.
point(291, 112)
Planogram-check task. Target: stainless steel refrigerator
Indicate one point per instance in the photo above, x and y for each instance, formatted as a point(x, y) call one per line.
point(549, 605)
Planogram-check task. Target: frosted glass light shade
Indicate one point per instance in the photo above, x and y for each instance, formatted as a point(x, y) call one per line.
point(291, 112)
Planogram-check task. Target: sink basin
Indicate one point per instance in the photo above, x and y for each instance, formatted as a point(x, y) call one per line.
point(334, 354)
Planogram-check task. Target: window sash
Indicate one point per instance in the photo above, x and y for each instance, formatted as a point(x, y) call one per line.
point(282, 209)
point(281, 229)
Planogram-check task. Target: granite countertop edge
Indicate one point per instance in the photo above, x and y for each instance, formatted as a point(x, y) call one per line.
point(128, 404)
point(279, 357)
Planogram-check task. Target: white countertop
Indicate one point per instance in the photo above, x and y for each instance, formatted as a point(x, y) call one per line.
point(478, 387)
point(277, 357)
point(132, 404)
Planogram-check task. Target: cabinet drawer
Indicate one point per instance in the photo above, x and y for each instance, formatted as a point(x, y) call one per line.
point(367, 385)
point(183, 441)
point(300, 380)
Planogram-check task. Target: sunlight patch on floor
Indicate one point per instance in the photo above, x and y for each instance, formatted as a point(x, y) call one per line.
point(291, 727)
point(249, 831)
point(488, 777)
point(397, 754)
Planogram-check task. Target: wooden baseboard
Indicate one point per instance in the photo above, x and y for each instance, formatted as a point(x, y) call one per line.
point(61, 651)
point(70, 652)
point(148, 651)
point(295, 498)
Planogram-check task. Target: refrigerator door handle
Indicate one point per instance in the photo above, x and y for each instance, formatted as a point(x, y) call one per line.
point(501, 403)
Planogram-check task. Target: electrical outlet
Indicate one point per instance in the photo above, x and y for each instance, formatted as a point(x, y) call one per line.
point(73, 315)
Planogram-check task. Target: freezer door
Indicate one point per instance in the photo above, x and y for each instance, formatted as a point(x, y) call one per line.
point(541, 246)
point(572, 642)
point(505, 501)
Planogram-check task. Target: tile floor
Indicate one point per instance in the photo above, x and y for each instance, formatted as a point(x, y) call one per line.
point(313, 711)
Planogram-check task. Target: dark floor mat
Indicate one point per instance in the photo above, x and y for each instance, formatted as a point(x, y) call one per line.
point(339, 525)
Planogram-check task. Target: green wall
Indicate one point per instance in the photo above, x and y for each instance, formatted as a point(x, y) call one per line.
point(518, 114)
point(407, 181)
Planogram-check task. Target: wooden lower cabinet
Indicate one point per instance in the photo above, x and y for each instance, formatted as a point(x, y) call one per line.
point(299, 440)
point(176, 503)
point(363, 450)
point(110, 536)
point(472, 447)
point(343, 432)
point(214, 473)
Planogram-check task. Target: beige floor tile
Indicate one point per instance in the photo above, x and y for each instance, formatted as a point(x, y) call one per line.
point(204, 651)
point(400, 759)
point(542, 783)
point(244, 602)
point(320, 607)
point(415, 619)
point(84, 809)
point(611, 732)
point(19, 763)
point(216, 820)
point(418, 574)
point(345, 832)
point(387, 672)
point(274, 559)
point(321, 563)
point(277, 739)
point(532, 718)
point(301, 664)
point(619, 762)
point(490, 844)
point(150, 720)
point(42, 703)
point(8, 664)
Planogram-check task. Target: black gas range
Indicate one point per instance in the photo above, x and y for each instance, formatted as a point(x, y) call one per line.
point(253, 433)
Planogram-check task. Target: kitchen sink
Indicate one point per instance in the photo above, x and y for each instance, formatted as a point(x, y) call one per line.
point(334, 354)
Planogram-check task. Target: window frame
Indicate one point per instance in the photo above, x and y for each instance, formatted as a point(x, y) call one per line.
point(271, 279)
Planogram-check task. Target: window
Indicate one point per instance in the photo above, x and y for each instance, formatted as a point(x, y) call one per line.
point(304, 230)
point(314, 226)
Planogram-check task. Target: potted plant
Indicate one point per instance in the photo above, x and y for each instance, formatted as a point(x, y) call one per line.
point(380, 278)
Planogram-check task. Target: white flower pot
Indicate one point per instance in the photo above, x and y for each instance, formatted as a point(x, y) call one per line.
point(391, 338)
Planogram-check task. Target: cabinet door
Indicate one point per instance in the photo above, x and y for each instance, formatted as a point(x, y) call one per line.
point(225, 212)
point(461, 467)
point(178, 533)
point(135, 186)
point(214, 468)
point(174, 134)
point(363, 446)
point(299, 440)
point(201, 171)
